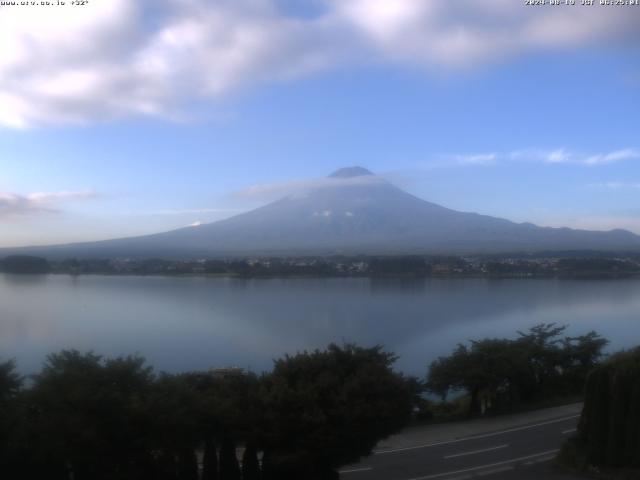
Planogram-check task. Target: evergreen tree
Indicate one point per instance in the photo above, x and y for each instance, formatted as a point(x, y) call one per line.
point(609, 427)
point(600, 415)
point(619, 411)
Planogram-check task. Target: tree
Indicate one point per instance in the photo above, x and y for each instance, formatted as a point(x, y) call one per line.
point(10, 382)
point(210, 461)
point(25, 264)
point(229, 467)
point(581, 355)
point(499, 373)
point(175, 427)
point(609, 428)
point(11, 424)
point(89, 413)
point(488, 370)
point(187, 464)
point(250, 465)
point(541, 344)
point(328, 408)
point(398, 265)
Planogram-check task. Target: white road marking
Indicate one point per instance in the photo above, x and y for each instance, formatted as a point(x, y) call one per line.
point(539, 460)
point(571, 430)
point(476, 437)
point(355, 470)
point(483, 467)
point(455, 455)
point(493, 471)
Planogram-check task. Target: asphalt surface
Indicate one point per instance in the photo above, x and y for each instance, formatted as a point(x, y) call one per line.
point(521, 451)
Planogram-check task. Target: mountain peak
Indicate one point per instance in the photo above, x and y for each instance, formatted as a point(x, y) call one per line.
point(350, 172)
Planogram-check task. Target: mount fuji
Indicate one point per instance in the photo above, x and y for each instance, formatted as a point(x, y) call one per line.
point(352, 211)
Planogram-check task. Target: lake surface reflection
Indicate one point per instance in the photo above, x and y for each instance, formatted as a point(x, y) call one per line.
point(197, 323)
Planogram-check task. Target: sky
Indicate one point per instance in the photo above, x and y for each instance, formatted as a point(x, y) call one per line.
point(127, 117)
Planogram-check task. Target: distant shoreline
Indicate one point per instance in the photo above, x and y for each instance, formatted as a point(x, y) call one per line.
point(408, 266)
point(576, 276)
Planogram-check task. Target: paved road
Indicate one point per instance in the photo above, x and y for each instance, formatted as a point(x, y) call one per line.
point(520, 450)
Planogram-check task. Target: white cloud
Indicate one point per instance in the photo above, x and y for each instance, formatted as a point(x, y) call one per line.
point(60, 64)
point(460, 33)
point(12, 205)
point(272, 191)
point(116, 58)
point(477, 159)
point(614, 185)
point(183, 211)
point(557, 156)
point(385, 22)
point(617, 156)
point(562, 156)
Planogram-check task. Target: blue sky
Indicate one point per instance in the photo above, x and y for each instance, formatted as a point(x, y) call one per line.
point(165, 116)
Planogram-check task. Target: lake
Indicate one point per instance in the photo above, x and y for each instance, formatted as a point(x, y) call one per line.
point(197, 323)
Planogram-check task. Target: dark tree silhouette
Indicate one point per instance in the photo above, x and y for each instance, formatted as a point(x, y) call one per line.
point(250, 464)
point(609, 429)
point(92, 418)
point(11, 426)
point(94, 410)
point(210, 461)
point(329, 408)
point(187, 465)
point(502, 373)
point(229, 467)
point(25, 264)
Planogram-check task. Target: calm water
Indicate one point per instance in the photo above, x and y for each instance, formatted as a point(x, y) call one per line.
point(197, 323)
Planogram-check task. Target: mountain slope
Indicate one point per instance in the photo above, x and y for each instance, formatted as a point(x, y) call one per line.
point(352, 212)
